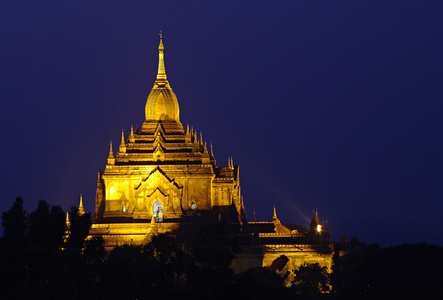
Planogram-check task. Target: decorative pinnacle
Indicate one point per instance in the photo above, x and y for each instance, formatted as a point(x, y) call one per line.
point(111, 154)
point(161, 75)
point(122, 147)
point(274, 217)
point(315, 218)
point(81, 210)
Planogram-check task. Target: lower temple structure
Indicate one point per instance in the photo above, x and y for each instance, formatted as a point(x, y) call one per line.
point(164, 179)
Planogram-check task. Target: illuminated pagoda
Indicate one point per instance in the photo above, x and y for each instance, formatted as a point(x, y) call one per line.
point(163, 177)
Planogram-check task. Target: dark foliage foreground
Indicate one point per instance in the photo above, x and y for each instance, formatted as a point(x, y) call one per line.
point(37, 261)
point(408, 271)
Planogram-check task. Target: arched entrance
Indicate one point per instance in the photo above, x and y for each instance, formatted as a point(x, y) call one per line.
point(158, 211)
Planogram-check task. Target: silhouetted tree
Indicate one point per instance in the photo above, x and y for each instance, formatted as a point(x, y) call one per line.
point(94, 258)
point(131, 273)
point(46, 225)
point(173, 259)
point(14, 225)
point(33, 255)
point(259, 283)
point(311, 279)
point(30, 251)
point(211, 248)
point(211, 251)
point(408, 271)
point(79, 229)
point(12, 264)
point(353, 274)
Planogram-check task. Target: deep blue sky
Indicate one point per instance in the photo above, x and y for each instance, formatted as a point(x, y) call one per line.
point(333, 105)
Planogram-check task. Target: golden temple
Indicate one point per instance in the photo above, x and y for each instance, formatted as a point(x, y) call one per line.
point(163, 177)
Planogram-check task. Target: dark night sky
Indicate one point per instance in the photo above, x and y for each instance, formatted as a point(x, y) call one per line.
point(333, 105)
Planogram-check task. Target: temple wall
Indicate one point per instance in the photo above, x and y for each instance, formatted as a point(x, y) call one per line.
point(177, 188)
point(297, 257)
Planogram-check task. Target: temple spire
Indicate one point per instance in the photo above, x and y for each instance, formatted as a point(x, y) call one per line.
point(211, 157)
point(274, 217)
point(67, 229)
point(122, 148)
point(161, 75)
point(131, 138)
point(315, 222)
point(81, 210)
point(111, 158)
point(111, 154)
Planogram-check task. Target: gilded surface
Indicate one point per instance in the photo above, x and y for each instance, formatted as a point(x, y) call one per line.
point(162, 173)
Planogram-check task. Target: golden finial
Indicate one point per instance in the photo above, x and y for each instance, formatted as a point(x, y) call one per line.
point(81, 210)
point(131, 135)
point(122, 147)
point(111, 158)
point(160, 46)
point(274, 217)
point(161, 75)
point(111, 154)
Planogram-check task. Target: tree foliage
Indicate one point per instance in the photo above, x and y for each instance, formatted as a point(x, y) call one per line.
point(34, 253)
point(311, 279)
point(407, 271)
point(14, 225)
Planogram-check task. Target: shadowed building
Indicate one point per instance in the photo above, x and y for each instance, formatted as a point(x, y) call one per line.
point(163, 179)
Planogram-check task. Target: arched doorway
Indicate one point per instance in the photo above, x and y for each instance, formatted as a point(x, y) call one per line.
point(158, 211)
